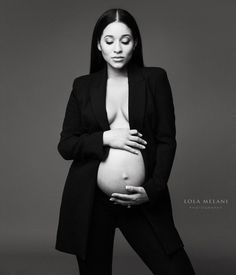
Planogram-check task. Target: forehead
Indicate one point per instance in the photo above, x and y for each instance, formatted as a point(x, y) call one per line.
point(116, 29)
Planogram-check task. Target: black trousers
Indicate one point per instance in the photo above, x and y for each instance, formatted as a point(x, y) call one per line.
point(108, 216)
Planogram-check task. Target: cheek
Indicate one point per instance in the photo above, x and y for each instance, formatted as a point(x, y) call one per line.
point(105, 56)
point(128, 55)
point(107, 53)
point(105, 49)
point(128, 51)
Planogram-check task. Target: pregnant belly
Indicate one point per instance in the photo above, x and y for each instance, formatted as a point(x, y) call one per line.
point(121, 168)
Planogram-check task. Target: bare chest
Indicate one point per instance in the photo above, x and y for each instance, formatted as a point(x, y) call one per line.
point(117, 98)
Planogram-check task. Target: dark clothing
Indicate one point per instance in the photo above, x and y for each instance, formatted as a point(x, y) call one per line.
point(136, 229)
point(151, 112)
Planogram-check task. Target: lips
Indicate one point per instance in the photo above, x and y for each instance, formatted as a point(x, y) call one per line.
point(118, 57)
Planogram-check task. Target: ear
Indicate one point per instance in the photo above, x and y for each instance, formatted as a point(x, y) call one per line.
point(99, 46)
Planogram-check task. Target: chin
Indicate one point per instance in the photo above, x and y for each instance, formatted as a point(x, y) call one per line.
point(118, 66)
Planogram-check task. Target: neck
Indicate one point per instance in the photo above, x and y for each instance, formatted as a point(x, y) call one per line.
point(113, 73)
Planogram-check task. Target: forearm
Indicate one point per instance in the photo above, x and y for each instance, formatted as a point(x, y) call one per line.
point(84, 146)
point(157, 183)
point(76, 143)
point(165, 135)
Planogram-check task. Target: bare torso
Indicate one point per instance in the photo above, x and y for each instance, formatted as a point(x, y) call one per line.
point(121, 167)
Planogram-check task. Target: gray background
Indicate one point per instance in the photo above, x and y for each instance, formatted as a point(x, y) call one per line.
point(44, 46)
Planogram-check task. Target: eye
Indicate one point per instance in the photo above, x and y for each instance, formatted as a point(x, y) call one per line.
point(126, 40)
point(109, 43)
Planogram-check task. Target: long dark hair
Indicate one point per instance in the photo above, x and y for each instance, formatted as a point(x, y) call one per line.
point(97, 61)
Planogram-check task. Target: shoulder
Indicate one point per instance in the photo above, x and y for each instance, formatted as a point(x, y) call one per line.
point(154, 72)
point(81, 80)
point(155, 76)
point(79, 84)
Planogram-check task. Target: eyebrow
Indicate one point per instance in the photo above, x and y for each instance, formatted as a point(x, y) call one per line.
point(113, 36)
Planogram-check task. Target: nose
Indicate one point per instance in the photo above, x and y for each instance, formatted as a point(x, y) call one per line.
point(117, 47)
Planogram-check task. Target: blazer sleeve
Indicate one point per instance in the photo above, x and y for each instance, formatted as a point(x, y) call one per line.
point(75, 143)
point(165, 135)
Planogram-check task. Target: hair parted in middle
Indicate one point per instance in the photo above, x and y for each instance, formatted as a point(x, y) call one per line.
point(97, 61)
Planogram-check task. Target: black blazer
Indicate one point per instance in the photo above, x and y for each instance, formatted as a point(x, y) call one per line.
point(151, 111)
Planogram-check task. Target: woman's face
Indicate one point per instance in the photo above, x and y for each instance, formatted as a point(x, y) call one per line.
point(116, 45)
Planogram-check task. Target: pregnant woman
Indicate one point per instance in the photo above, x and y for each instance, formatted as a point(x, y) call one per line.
point(122, 167)
point(119, 130)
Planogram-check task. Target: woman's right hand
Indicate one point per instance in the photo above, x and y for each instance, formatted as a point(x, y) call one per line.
point(124, 138)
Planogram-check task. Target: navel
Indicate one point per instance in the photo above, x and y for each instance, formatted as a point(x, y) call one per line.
point(124, 176)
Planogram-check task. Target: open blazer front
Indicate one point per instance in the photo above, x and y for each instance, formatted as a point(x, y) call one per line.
point(151, 112)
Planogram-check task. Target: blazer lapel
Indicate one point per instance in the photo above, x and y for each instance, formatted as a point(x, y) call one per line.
point(137, 97)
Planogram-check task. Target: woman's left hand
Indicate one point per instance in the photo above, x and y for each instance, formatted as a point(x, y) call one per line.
point(137, 196)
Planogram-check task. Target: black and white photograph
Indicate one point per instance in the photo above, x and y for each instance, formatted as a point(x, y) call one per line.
point(118, 137)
